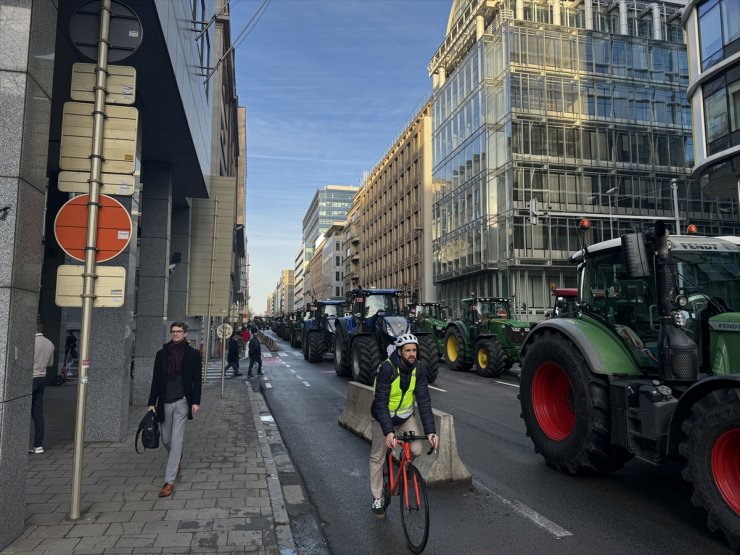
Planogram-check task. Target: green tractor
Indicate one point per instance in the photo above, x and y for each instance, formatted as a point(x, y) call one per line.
point(429, 318)
point(486, 336)
point(295, 330)
point(319, 328)
point(647, 367)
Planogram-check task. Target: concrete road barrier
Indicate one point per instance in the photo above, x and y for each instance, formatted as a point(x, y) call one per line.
point(267, 341)
point(444, 467)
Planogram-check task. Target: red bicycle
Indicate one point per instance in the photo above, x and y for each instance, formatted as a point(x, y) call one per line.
point(403, 479)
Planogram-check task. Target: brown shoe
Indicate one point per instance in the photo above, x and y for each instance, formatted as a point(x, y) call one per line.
point(167, 490)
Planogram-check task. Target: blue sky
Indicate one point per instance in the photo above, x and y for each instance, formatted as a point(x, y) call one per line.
point(328, 85)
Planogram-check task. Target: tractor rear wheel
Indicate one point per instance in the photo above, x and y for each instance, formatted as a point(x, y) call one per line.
point(342, 362)
point(490, 359)
point(712, 451)
point(566, 408)
point(455, 350)
point(304, 345)
point(428, 354)
point(365, 359)
point(315, 346)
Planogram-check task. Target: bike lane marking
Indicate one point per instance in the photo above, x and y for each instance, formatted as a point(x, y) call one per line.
point(437, 388)
point(529, 513)
point(506, 383)
point(306, 384)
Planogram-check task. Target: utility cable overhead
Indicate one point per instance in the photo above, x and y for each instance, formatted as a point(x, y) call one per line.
point(247, 29)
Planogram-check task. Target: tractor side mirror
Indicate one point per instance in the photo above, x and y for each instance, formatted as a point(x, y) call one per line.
point(635, 254)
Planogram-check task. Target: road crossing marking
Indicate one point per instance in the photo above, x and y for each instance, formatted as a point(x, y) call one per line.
point(529, 513)
point(438, 389)
point(506, 383)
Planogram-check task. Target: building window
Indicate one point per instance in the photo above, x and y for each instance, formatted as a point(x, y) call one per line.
point(719, 30)
point(337, 261)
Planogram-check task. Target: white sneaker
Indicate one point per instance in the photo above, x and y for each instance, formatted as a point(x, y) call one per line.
point(378, 508)
point(36, 450)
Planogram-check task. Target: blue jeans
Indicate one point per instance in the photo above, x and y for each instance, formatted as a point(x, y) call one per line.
point(37, 410)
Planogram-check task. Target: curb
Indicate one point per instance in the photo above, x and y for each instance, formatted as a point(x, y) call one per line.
point(284, 534)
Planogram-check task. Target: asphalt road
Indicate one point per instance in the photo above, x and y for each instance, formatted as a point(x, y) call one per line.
point(516, 503)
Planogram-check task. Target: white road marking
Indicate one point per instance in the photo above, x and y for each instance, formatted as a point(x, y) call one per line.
point(438, 389)
point(299, 377)
point(529, 513)
point(268, 385)
point(506, 383)
point(287, 365)
point(292, 371)
point(306, 384)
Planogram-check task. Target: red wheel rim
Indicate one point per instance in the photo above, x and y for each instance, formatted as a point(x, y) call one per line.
point(726, 467)
point(552, 400)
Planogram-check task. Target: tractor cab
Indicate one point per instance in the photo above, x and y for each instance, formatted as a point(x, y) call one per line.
point(565, 303)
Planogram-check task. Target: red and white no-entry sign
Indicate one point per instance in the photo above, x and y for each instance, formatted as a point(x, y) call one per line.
point(114, 228)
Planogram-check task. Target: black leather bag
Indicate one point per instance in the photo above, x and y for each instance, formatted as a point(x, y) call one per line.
point(148, 431)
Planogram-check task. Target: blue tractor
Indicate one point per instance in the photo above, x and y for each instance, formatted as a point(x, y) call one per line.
point(318, 328)
point(362, 338)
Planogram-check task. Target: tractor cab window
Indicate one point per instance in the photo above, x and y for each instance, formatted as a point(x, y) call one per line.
point(625, 303)
point(492, 309)
point(331, 310)
point(380, 303)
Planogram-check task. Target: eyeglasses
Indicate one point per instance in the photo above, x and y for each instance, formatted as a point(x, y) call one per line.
point(173, 332)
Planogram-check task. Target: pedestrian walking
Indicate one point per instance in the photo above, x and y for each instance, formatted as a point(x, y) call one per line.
point(255, 355)
point(233, 356)
point(43, 357)
point(175, 396)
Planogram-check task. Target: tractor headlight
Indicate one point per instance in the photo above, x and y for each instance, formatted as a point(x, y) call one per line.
point(389, 330)
point(679, 318)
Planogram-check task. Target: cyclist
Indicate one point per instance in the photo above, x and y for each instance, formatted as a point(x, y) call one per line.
point(401, 380)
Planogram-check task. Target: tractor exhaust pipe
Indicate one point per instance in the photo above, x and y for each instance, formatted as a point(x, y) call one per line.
point(678, 357)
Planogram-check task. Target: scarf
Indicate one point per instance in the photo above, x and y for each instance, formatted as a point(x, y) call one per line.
point(174, 359)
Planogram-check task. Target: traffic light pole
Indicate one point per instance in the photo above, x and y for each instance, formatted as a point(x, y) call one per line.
point(88, 285)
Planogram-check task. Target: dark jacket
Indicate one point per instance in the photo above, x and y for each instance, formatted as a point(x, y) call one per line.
point(386, 375)
point(255, 350)
point(191, 374)
point(233, 355)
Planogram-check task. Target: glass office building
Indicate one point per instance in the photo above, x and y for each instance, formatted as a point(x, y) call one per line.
point(713, 40)
point(546, 112)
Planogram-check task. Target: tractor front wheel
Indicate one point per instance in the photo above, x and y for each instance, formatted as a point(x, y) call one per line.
point(342, 361)
point(455, 350)
point(490, 359)
point(365, 359)
point(566, 408)
point(316, 346)
point(712, 451)
point(428, 354)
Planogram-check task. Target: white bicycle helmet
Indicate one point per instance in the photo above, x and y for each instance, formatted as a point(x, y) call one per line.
point(405, 339)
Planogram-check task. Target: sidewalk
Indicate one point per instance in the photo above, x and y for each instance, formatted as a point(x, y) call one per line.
point(228, 499)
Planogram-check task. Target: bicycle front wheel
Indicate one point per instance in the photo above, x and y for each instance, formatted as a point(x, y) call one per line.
point(415, 510)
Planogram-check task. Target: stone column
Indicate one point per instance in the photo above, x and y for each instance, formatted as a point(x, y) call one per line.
point(26, 71)
point(179, 264)
point(110, 356)
point(154, 261)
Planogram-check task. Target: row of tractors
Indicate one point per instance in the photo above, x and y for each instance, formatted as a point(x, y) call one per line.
point(641, 360)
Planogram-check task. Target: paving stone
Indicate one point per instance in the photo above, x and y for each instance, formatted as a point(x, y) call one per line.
point(227, 524)
point(140, 540)
point(160, 526)
point(173, 540)
point(195, 525)
point(57, 545)
point(245, 538)
point(95, 544)
point(147, 516)
point(209, 539)
point(119, 516)
point(82, 530)
point(182, 514)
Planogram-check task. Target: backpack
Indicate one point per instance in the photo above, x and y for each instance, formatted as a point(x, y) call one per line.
point(149, 432)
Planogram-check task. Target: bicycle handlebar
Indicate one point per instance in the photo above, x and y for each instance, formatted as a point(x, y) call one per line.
point(410, 436)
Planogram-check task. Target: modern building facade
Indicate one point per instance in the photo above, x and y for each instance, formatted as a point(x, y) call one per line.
point(713, 41)
point(282, 296)
point(329, 205)
point(548, 111)
point(180, 99)
point(395, 214)
point(299, 278)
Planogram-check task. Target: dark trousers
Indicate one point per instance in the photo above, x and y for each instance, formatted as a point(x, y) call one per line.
point(252, 360)
point(234, 365)
point(37, 411)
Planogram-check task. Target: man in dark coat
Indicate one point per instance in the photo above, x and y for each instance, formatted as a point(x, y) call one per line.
point(233, 355)
point(400, 384)
point(175, 396)
point(255, 354)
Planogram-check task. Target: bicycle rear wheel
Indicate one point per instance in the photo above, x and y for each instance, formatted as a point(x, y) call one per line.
point(415, 510)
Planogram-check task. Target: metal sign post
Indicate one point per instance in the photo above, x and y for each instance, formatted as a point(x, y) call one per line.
point(88, 286)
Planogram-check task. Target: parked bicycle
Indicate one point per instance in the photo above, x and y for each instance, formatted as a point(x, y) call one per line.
point(401, 478)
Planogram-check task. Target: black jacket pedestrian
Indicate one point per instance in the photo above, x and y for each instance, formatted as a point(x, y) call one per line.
point(191, 374)
point(233, 355)
point(255, 350)
point(386, 374)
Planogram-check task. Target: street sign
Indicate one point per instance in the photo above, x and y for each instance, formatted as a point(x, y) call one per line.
point(112, 183)
point(224, 330)
point(109, 286)
point(124, 33)
point(114, 228)
point(119, 137)
point(121, 84)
